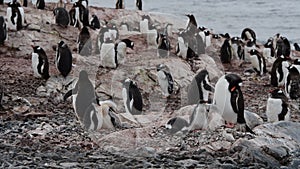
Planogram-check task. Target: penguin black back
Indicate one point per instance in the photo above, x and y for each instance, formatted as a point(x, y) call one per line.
point(226, 54)
point(139, 4)
point(128, 42)
point(192, 23)
point(283, 47)
point(83, 38)
point(43, 64)
point(134, 97)
point(61, 16)
point(297, 48)
point(64, 59)
point(40, 4)
point(95, 23)
point(3, 30)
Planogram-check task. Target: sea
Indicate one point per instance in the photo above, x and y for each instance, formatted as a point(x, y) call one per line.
point(265, 17)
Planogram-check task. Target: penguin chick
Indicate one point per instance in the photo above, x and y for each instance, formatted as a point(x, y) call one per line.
point(165, 80)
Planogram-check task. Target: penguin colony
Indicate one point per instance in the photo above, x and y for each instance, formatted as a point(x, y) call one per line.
point(192, 42)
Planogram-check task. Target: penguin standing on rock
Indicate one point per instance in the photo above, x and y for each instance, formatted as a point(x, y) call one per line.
point(258, 62)
point(63, 59)
point(229, 99)
point(40, 64)
point(277, 106)
point(94, 22)
point(61, 16)
point(139, 4)
point(84, 45)
point(3, 30)
point(15, 16)
point(199, 89)
point(132, 97)
point(279, 71)
point(165, 80)
point(40, 4)
point(120, 4)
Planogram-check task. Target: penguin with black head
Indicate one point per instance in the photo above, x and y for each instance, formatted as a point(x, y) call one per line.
point(63, 60)
point(79, 15)
point(248, 35)
point(165, 80)
point(94, 22)
point(40, 64)
point(226, 52)
point(15, 16)
point(292, 83)
point(3, 31)
point(182, 44)
point(229, 100)
point(296, 46)
point(132, 97)
point(283, 47)
point(40, 4)
point(277, 106)
point(258, 62)
point(139, 4)
point(192, 23)
point(120, 49)
point(199, 89)
point(61, 17)
point(237, 48)
point(120, 4)
point(279, 71)
point(84, 42)
point(269, 51)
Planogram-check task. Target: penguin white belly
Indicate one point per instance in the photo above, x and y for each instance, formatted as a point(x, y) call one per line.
point(163, 82)
point(273, 109)
point(182, 48)
point(246, 52)
point(285, 65)
point(267, 53)
point(254, 62)
point(222, 101)
point(10, 25)
point(144, 26)
point(202, 35)
point(151, 37)
point(248, 35)
point(35, 62)
point(124, 28)
point(207, 41)
point(121, 55)
point(77, 17)
point(107, 55)
point(205, 93)
point(113, 34)
point(22, 15)
point(234, 48)
point(125, 97)
point(99, 118)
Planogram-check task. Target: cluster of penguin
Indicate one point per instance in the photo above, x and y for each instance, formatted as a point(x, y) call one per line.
point(192, 42)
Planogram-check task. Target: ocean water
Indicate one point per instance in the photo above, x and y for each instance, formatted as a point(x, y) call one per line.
point(265, 17)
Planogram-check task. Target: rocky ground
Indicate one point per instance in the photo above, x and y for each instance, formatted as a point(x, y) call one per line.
point(39, 130)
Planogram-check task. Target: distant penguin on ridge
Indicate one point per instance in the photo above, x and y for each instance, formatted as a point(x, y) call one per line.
point(3, 31)
point(199, 89)
point(139, 4)
point(132, 97)
point(165, 79)
point(94, 22)
point(277, 106)
point(63, 60)
point(258, 62)
point(120, 4)
point(61, 16)
point(40, 4)
point(40, 64)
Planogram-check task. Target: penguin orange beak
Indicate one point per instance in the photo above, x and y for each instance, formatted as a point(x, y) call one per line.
point(233, 88)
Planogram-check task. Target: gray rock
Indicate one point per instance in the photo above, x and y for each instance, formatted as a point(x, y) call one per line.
point(252, 119)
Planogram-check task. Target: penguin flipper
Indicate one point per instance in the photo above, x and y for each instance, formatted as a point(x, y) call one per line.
point(68, 94)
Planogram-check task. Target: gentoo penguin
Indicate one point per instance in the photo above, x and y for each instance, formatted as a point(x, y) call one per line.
point(61, 16)
point(120, 4)
point(85, 102)
point(176, 124)
point(248, 34)
point(200, 44)
point(275, 38)
point(15, 16)
point(283, 47)
point(3, 30)
point(199, 89)
point(192, 23)
point(258, 62)
point(249, 46)
point(85, 3)
point(279, 71)
point(83, 42)
point(269, 51)
point(226, 52)
point(120, 49)
point(165, 80)
point(63, 59)
point(132, 97)
point(207, 38)
point(237, 49)
point(40, 4)
point(277, 106)
point(229, 99)
point(139, 4)
point(94, 22)
point(108, 57)
point(148, 28)
point(292, 83)
point(79, 15)
point(163, 45)
point(182, 44)
point(40, 64)
point(297, 48)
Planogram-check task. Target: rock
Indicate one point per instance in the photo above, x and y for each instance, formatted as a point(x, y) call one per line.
point(228, 136)
point(69, 164)
point(188, 163)
point(42, 91)
point(252, 119)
